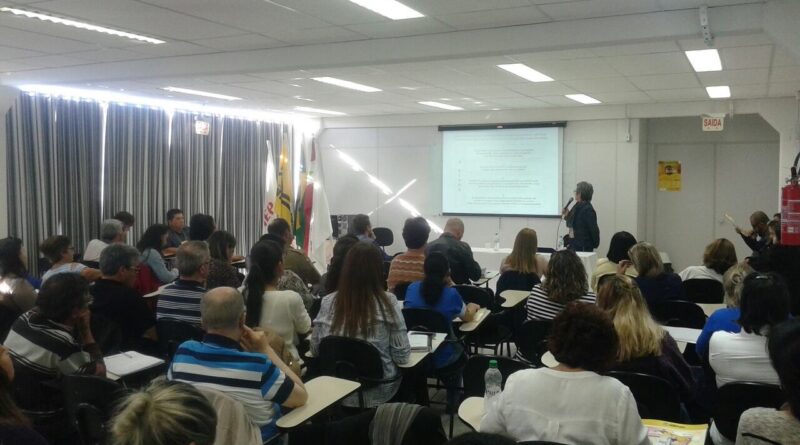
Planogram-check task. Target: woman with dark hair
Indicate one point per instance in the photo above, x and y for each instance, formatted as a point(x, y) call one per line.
point(582, 220)
point(201, 226)
point(360, 308)
point(571, 402)
point(330, 279)
point(15, 428)
point(220, 271)
point(621, 242)
point(267, 307)
point(59, 250)
point(434, 292)
point(766, 425)
point(718, 257)
point(17, 293)
point(566, 282)
point(150, 245)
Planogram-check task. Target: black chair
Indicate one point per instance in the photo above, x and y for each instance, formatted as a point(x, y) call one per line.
point(655, 397)
point(679, 313)
point(400, 290)
point(89, 402)
point(531, 340)
point(172, 332)
point(549, 250)
point(107, 334)
point(383, 236)
point(474, 294)
point(474, 383)
point(704, 290)
point(352, 359)
point(735, 398)
point(7, 318)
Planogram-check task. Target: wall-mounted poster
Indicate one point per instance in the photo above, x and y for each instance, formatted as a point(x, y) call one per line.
point(669, 176)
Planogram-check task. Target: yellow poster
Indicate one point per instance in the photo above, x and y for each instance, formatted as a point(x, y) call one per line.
point(669, 176)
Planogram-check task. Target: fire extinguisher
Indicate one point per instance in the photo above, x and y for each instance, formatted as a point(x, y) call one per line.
point(790, 210)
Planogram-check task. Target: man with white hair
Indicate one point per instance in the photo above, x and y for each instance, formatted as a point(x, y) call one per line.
point(111, 231)
point(463, 266)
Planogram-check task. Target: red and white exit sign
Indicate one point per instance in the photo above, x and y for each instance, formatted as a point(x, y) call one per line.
point(713, 123)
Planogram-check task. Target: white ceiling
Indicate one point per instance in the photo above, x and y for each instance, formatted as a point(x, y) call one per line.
point(201, 35)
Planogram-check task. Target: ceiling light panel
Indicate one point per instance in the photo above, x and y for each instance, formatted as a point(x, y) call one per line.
point(582, 98)
point(200, 93)
point(389, 8)
point(80, 25)
point(719, 92)
point(705, 60)
point(526, 72)
point(347, 84)
point(440, 105)
point(320, 111)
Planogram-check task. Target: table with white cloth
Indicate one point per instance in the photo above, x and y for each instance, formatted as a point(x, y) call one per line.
point(490, 258)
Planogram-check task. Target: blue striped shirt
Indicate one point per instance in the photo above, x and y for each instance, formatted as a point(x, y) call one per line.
point(250, 378)
point(181, 301)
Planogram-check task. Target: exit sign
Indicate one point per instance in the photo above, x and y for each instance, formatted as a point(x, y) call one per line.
point(713, 123)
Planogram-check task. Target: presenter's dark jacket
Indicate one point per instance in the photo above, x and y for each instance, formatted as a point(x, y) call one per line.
point(463, 266)
point(583, 220)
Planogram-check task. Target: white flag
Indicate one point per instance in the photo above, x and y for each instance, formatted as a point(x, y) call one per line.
point(321, 230)
point(271, 190)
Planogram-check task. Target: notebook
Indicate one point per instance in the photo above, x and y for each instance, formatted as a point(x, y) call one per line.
point(126, 363)
point(420, 341)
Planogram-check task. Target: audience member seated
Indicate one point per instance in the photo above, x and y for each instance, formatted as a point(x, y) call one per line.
point(201, 226)
point(220, 271)
point(566, 282)
point(111, 231)
point(282, 311)
point(150, 245)
point(17, 293)
point(164, 413)
point(408, 267)
point(725, 319)
point(290, 280)
point(523, 268)
point(181, 299)
point(329, 282)
point(296, 260)
point(656, 284)
point(15, 428)
point(362, 229)
point(618, 249)
point(238, 361)
point(463, 266)
point(644, 346)
point(435, 293)
point(127, 219)
point(53, 339)
point(178, 232)
point(58, 249)
point(115, 299)
point(572, 402)
point(360, 308)
point(758, 426)
point(718, 257)
point(756, 239)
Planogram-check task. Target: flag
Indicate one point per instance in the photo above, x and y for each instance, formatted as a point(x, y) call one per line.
point(272, 188)
point(305, 199)
point(320, 220)
point(283, 207)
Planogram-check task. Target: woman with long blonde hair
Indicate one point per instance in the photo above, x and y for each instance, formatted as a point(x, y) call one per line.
point(523, 268)
point(643, 345)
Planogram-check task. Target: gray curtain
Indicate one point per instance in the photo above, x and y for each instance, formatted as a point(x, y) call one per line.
point(135, 165)
point(54, 150)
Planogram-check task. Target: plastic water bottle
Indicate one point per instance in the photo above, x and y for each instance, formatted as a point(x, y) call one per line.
point(492, 379)
point(497, 241)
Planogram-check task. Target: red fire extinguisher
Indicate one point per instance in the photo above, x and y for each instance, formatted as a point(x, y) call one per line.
point(790, 211)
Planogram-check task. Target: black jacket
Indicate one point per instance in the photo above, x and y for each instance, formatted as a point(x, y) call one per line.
point(463, 266)
point(583, 220)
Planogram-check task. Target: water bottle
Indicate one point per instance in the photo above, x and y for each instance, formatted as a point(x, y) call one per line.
point(493, 379)
point(497, 241)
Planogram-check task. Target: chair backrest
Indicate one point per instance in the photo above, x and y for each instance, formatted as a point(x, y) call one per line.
point(172, 332)
point(400, 290)
point(704, 290)
point(98, 392)
point(546, 250)
point(735, 398)
point(530, 338)
point(679, 313)
point(429, 320)
point(383, 236)
point(91, 424)
point(233, 423)
point(474, 382)
point(655, 397)
point(107, 334)
point(350, 358)
point(513, 280)
point(475, 294)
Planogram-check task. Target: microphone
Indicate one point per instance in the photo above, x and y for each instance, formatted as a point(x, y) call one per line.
point(568, 203)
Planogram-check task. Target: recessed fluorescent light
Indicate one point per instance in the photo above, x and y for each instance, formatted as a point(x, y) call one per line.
point(320, 111)
point(705, 60)
point(347, 84)
point(81, 25)
point(526, 72)
point(389, 8)
point(719, 92)
point(201, 93)
point(440, 105)
point(582, 98)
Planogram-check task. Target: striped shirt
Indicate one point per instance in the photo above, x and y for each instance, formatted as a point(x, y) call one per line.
point(181, 301)
point(406, 268)
point(541, 307)
point(250, 378)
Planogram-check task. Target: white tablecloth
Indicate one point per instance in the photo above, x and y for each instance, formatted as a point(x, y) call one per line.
point(491, 258)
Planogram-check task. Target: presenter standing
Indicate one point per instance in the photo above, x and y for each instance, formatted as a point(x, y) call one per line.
point(582, 220)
